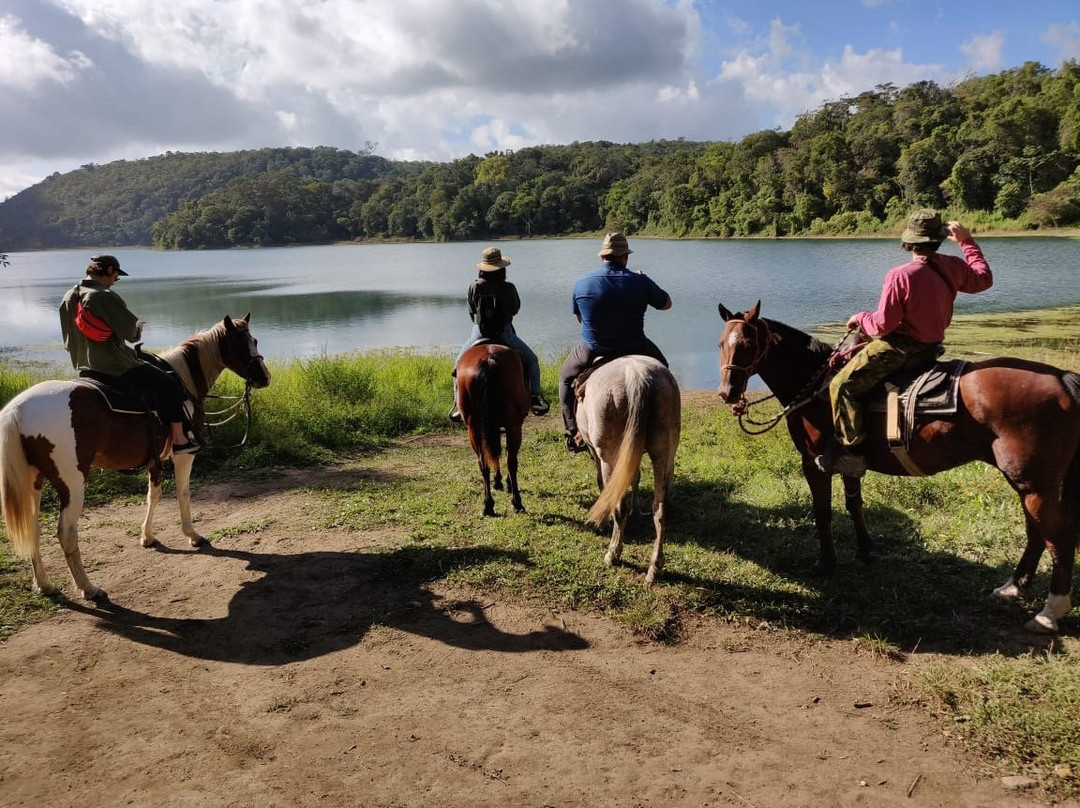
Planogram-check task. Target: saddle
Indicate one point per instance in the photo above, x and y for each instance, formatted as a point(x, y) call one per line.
point(121, 397)
point(912, 392)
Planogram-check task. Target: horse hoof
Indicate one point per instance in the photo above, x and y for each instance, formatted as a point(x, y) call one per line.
point(1007, 591)
point(1042, 624)
point(97, 595)
point(148, 542)
point(650, 576)
point(198, 541)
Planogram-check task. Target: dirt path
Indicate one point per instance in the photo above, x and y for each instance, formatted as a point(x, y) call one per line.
point(287, 668)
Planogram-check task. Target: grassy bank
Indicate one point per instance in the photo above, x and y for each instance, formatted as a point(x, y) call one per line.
point(740, 533)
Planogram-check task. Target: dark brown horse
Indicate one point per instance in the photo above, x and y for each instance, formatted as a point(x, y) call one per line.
point(492, 397)
point(1021, 417)
point(57, 431)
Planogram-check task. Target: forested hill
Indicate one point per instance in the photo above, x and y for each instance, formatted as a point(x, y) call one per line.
point(1000, 150)
point(118, 203)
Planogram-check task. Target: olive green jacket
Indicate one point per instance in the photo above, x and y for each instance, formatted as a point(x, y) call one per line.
point(113, 356)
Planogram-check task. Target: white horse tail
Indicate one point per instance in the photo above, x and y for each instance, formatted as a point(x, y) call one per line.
point(17, 487)
point(632, 448)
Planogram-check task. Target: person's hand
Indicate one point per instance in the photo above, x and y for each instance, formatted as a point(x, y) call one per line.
point(853, 322)
point(958, 233)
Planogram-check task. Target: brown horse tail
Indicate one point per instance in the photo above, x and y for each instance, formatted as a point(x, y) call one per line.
point(638, 394)
point(17, 488)
point(491, 412)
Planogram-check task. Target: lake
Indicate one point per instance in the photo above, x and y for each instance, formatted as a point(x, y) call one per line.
point(310, 301)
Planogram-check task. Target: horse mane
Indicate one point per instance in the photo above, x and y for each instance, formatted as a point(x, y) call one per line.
point(198, 359)
point(800, 340)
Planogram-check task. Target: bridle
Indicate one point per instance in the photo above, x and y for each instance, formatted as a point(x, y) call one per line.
point(806, 395)
point(238, 404)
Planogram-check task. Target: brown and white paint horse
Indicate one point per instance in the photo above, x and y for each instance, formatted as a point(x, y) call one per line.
point(631, 406)
point(57, 431)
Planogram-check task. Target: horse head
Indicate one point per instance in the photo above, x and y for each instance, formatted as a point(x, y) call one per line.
point(240, 351)
point(743, 344)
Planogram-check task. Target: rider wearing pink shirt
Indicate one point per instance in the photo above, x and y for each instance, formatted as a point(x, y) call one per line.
point(915, 308)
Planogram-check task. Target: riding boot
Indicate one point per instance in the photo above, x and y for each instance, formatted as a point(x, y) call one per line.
point(840, 459)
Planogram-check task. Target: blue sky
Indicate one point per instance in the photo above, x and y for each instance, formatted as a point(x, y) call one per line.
point(90, 81)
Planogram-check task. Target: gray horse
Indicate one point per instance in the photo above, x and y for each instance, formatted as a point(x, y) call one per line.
point(628, 407)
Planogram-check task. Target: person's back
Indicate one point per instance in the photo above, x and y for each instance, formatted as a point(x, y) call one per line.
point(610, 304)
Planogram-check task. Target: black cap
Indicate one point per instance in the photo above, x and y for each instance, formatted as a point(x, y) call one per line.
point(107, 262)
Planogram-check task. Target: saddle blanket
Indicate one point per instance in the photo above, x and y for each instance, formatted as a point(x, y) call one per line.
point(121, 397)
point(935, 390)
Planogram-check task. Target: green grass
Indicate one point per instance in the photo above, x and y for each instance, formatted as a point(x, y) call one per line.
point(740, 533)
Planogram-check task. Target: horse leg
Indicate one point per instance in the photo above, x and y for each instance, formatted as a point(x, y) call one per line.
point(68, 533)
point(618, 518)
point(42, 584)
point(853, 501)
point(513, 443)
point(661, 485)
point(1045, 519)
point(489, 501)
point(821, 493)
point(182, 472)
point(153, 497)
point(1028, 563)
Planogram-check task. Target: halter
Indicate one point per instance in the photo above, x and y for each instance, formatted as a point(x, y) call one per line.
point(806, 395)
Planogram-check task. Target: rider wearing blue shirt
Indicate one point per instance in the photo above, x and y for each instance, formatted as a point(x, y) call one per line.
point(610, 304)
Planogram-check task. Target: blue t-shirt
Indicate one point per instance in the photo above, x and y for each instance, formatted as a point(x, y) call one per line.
point(611, 302)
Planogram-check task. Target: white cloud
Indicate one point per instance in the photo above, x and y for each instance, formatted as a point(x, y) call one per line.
point(984, 51)
point(768, 80)
point(1066, 38)
point(26, 62)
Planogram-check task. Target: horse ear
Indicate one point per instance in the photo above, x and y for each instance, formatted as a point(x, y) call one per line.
point(724, 313)
point(246, 318)
point(754, 311)
point(228, 323)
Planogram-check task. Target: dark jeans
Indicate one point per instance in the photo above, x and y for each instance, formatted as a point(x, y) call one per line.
point(580, 358)
point(166, 387)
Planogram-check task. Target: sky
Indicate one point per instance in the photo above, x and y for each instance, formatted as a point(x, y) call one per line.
point(91, 81)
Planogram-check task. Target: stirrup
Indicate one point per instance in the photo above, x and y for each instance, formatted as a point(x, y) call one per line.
point(540, 405)
point(575, 443)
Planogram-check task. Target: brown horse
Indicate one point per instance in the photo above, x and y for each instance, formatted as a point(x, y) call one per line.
point(57, 431)
point(1021, 417)
point(492, 397)
point(628, 407)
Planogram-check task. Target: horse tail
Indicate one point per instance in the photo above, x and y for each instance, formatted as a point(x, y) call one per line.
point(1070, 490)
point(491, 412)
point(17, 487)
point(638, 393)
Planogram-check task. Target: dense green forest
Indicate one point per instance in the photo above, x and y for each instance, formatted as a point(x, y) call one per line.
point(1002, 149)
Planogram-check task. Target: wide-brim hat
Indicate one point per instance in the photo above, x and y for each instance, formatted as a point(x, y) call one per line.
point(924, 226)
point(106, 262)
point(615, 244)
point(492, 259)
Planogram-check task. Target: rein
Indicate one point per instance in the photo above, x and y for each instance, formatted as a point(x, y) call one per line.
point(229, 412)
point(806, 395)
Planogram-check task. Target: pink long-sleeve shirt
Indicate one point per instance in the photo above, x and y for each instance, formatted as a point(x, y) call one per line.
point(916, 302)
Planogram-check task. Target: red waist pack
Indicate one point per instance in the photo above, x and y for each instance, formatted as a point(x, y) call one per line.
point(93, 328)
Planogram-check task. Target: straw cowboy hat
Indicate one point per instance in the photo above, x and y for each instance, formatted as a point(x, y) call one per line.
point(615, 244)
point(492, 259)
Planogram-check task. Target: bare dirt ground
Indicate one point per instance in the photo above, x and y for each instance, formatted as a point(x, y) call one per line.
point(285, 668)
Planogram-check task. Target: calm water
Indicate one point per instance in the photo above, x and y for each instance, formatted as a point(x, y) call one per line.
point(308, 301)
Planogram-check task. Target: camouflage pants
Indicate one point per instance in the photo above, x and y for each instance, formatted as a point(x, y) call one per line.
point(866, 370)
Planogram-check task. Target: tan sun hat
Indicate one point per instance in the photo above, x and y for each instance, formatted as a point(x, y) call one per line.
point(924, 226)
point(615, 244)
point(492, 259)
